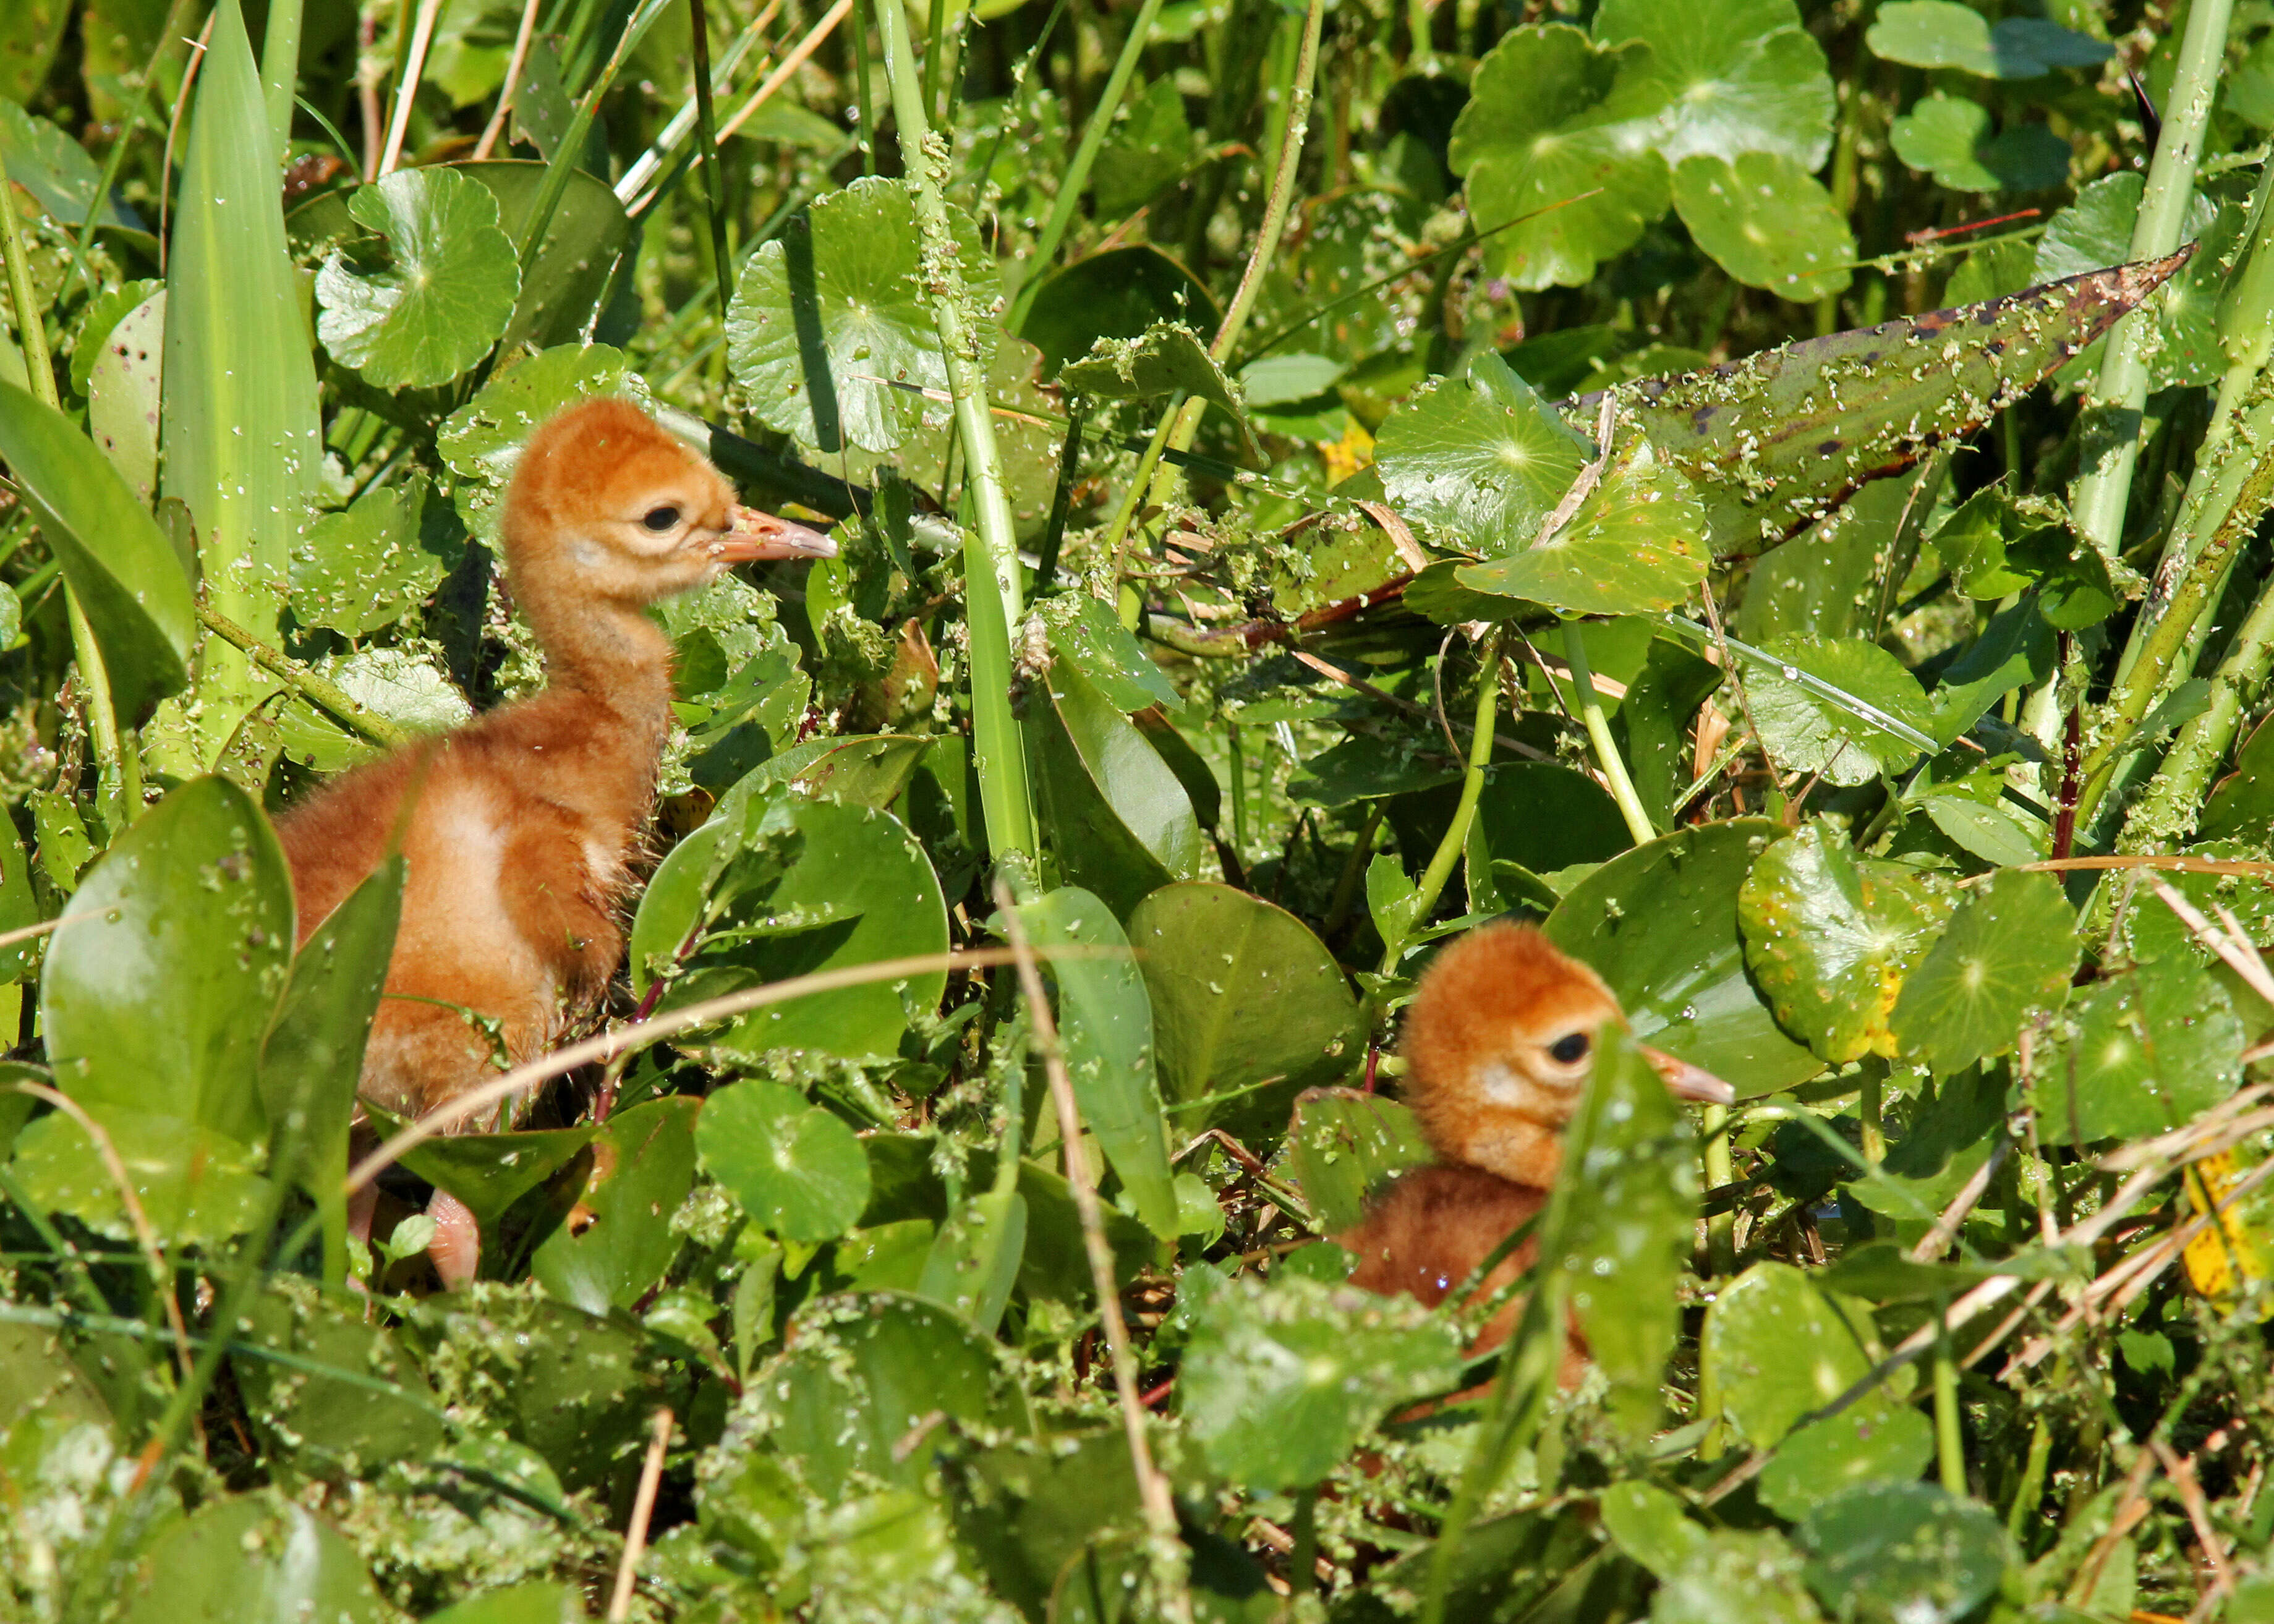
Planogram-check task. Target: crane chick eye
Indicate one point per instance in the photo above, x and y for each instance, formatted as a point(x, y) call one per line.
point(660, 519)
point(1568, 1049)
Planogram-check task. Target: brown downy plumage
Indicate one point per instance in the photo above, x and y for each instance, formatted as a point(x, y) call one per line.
point(1499, 1040)
point(522, 825)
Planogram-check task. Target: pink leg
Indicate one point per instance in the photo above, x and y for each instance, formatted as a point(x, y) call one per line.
point(456, 1248)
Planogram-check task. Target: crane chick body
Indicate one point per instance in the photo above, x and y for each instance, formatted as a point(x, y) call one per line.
point(520, 829)
point(1499, 1042)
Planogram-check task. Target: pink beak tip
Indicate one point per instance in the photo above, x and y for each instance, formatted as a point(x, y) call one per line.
point(751, 535)
point(1686, 1081)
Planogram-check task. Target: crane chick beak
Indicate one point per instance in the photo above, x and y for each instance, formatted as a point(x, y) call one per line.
point(1686, 1081)
point(751, 535)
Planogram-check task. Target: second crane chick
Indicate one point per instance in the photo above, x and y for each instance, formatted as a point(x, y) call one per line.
point(1499, 1042)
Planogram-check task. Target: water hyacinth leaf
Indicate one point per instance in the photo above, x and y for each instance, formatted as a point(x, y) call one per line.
point(1942, 33)
point(364, 567)
point(242, 449)
point(1345, 1146)
point(248, 1557)
point(1122, 821)
point(1775, 1348)
point(1766, 222)
point(1552, 118)
point(2009, 949)
point(196, 1186)
point(121, 382)
point(1479, 457)
point(1105, 1021)
point(1874, 1440)
point(1637, 545)
point(2147, 1049)
point(1739, 76)
point(863, 1371)
point(1211, 957)
point(1280, 1381)
point(1117, 294)
point(1364, 767)
point(1780, 439)
point(119, 564)
point(1849, 735)
point(1950, 138)
point(1167, 358)
point(169, 963)
point(443, 294)
point(1086, 630)
point(1629, 1226)
point(831, 330)
point(56, 169)
point(797, 1168)
point(1660, 925)
point(1904, 1552)
point(489, 1172)
point(1830, 937)
point(618, 1243)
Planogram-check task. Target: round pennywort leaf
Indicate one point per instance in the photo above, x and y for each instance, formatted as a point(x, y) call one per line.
point(1766, 222)
point(793, 1167)
point(441, 298)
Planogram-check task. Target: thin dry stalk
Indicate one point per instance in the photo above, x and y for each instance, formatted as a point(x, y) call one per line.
point(790, 64)
point(1152, 1487)
point(620, 1605)
point(174, 130)
point(496, 125)
point(414, 69)
point(2181, 1471)
point(1932, 1243)
point(2130, 1508)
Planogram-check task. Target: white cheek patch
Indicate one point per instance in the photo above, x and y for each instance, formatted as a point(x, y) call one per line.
point(1501, 1086)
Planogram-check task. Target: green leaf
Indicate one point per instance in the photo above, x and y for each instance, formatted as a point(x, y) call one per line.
point(163, 979)
point(1660, 924)
point(1739, 76)
point(482, 439)
point(1742, 1577)
point(56, 171)
point(1844, 733)
point(1280, 1381)
point(1543, 817)
point(830, 318)
point(1167, 358)
point(1211, 957)
point(122, 387)
point(1905, 1552)
point(366, 567)
point(1873, 1440)
point(1150, 147)
point(1551, 117)
point(1345, 1146)
point(2008, 952)
point(618, 1247)
point(1117, 294)
point(1105, 1019)
point(119, 564)
point(1649, 1524)
point(444, 294)
point(1942, 33)
point(1637, 545)
point(490, 1172)
point(197, 1186)
point(1989, 832)
point(2096, 229)
point(519, 1603)
point(2241, 804)
point(249, 1557)
point(243, 451)
point(1278, 378)
point(2149, 1049)
point(1952, 138)
point(1121, 820)
point(1775, 1348)
point(339, 1423)
point(19, 907)
point(794, 1168)
point(1766, 222)
point(1479, 457)
point(974, 1258)
point(1086, 630)
point(1830, 937)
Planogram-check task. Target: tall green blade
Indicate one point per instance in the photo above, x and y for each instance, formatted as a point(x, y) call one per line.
point(238, 416)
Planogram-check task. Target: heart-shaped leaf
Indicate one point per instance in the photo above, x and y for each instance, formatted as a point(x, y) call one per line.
point(831, 330)
point(442, 296)
point(1558, 129)
point(2009, 949)
point(1829, 938)
point(1766, 222)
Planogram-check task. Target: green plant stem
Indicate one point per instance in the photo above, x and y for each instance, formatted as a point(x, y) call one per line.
point(1949, 1444)
point(351, 713)
point(2175, 795)
point(1346, 883)
point(1870, 1109)
point(706, 133)
point(280, 69)
point(1714, 1152)
point(1076, 178)
point(991, 556)
point(118, 759)
point(1472, 788)
point(865, 132)
point(1303, 1561)
point(2120, 394)
point(570, 151)
point(1599, 734)
point(2032, 1486)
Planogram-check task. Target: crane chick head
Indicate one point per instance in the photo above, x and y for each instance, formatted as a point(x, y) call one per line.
point(1499, 1041)
point(606, 496)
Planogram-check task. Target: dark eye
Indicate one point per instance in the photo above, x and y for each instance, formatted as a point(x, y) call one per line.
point(1570, 1050)
point(661, 519)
